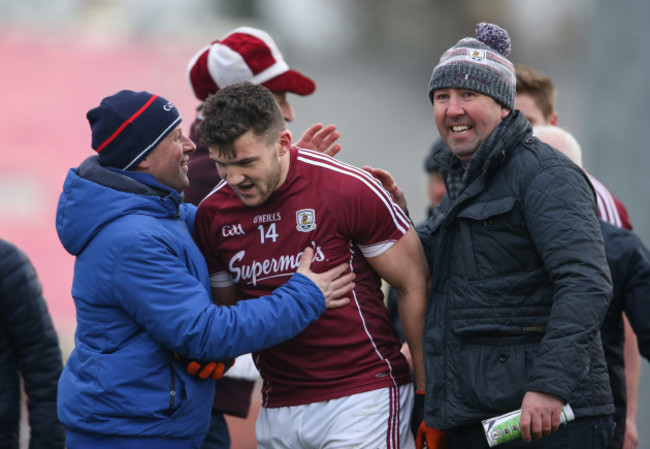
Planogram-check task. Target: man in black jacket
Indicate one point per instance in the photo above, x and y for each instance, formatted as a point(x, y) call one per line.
point(29, 350)
point(520, 284)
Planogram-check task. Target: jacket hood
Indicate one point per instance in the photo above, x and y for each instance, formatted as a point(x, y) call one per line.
point(94, 196)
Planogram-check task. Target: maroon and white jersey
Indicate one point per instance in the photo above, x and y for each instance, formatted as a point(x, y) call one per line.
point(610, 209)
point(346, 215)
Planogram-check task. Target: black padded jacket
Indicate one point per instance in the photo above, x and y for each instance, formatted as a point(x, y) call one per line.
point(520, 285)
point(29, 349)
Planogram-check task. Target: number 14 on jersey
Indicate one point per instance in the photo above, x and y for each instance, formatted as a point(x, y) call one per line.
point(270, 233)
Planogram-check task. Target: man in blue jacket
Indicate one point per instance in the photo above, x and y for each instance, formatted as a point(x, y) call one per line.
point(520, 283)
point(142, 293)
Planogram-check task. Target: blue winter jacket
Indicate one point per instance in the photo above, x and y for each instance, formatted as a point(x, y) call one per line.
point(141, 292)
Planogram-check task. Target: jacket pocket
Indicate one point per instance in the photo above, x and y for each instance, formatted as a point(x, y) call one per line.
point(492, 378)
point(500, 334)
point(152, 391)
point(485, 210)
point(172, 392)
point(499, 326)
point(492, 359)
point(493, 241)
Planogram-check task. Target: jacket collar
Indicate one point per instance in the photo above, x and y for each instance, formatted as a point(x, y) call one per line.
point(124, 181)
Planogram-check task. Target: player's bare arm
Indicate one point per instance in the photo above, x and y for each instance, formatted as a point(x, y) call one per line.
point(226, 296)
point(632, 366)
point(404, 267)
point(333, 283)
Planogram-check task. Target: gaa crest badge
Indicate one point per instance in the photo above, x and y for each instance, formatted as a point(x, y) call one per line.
point(476, 55)
point(306, 220)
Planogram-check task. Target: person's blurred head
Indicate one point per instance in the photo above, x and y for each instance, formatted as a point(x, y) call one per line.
point(436, 185)
point(561, 140)
point(141, 131)
point(473, 89)
point(536, 96)
point(246, 54)
point(246, 136)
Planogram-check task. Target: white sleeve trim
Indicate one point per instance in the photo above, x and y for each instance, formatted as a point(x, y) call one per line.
point(376, 249)
point(221, 279)
point(244, 368)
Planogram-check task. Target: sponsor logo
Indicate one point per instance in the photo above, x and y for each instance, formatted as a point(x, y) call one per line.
point(232, 230)
point(306, 220)
point(259, 270)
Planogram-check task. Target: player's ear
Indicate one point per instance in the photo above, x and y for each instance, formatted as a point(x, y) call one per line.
point(285, 141)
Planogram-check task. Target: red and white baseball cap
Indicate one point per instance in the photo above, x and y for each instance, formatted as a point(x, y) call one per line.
point(245, 54)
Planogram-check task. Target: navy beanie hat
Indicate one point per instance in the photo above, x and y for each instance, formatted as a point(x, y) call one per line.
point(128, 125)
point(478, 64)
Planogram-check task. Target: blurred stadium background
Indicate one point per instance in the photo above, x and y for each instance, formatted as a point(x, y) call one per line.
point(371, 61)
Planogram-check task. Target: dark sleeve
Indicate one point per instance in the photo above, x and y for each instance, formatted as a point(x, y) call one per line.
point(424, 233)
point(393, 312)
point(636, 292)
point(34, 343)
point(561, 218)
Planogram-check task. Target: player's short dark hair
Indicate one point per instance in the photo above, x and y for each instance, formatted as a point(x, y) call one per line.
point(237, 109)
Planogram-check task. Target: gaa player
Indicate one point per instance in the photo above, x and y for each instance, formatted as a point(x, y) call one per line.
point(343, 381)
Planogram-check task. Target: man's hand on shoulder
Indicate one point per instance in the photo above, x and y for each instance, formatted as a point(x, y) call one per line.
point(387, 180)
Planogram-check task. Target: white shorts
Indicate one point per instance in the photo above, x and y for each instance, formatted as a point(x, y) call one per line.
point(378, 419)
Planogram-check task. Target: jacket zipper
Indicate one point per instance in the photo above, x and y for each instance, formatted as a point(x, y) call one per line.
point(172, 391)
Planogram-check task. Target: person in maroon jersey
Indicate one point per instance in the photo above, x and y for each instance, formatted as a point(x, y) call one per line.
point(343, 382)
point(243, 54)
point(246, 54)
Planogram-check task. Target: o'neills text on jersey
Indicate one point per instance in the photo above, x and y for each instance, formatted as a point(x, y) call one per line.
point(267, 218)
point(255, 271)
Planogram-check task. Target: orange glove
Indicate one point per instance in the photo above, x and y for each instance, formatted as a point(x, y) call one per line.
point(425, 437)
point(431, 438)
point(204, 369)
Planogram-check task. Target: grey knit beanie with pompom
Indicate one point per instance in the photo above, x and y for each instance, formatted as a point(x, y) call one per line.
point(478, 64)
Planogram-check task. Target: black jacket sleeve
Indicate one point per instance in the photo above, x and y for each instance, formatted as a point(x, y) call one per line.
point(562, 221)
point(30, 342)
point(629, 262)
